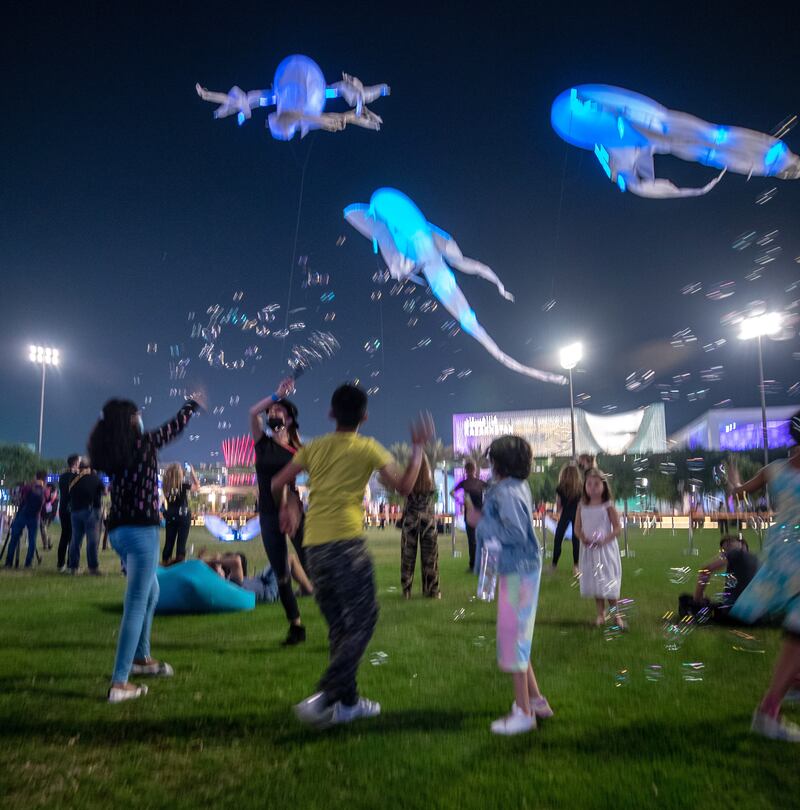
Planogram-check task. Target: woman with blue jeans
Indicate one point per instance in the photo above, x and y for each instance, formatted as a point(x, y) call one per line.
point(121, 448)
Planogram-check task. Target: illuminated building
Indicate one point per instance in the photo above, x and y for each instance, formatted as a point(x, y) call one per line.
point(735, 429)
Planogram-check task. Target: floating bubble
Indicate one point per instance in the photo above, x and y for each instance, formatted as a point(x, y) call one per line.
point(746, 642)
point(217, 409)
point(148, 400)
point(668, 468)
point(451, 328)
point(340, 240)
point(152, 348)
point(714, 345)
point(392, 589)
point(329, 316)
point(622, 678)
point(771, 387)
point(412, 322)
point(766, 196)
point(654, 673)
point(190, 316)
point(641, 464)
point(280, 333)
point(459, 614)
point(428, 306)
point(678, 576)
point(421, 344)
point(479, 641)
point(234, 400)
point(194, 437)
point(379, 658)
point(723, 403)
point(683, 338)
point(640, 379)
point(680, 379)
point(721, 290)
point(297, 326)
point(327, 297)
point(137, 379)
point(582, 397)
point(785, 127)
point(372, 346)
point(744, 240)
point(548, 305)
point(446, 372)
point(237, 296)
point(668, 394)
point(712, 374)
point(608, 408)
point(755, 275)
point(700, 393)
point(767, 238)
point(794, 390)
point(374, 390)
point(692, 289)
point(768, 256)
point(376, 296)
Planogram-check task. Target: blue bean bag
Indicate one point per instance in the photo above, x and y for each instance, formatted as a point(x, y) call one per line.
point(192, 587)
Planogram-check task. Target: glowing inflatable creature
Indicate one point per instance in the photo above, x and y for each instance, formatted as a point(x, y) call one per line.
point(625, 129)
point(232, 534)
point(299, 93)
point(410, 244)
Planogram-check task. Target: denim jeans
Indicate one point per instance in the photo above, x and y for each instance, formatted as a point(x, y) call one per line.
point(84, 521)
point(20, 523)
point(137, 546)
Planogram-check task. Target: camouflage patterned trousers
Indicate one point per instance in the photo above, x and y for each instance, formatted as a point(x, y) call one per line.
point(419, 528)
point(344, 587)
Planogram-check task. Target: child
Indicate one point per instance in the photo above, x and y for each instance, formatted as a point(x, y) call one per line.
point(339, 466)
point(568, 493)
point(419, 526)
point(507, 516)
point(597, 526)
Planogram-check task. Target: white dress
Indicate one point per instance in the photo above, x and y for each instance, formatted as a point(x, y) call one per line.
point(601, 567)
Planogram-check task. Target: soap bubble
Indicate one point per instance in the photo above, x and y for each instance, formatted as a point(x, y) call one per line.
point(622, 678)
point(746, 642)
point(479, 641)
point(712, 374)
point(692, 671)
point(668, 394)
point(714, 345)
point(372, 346)
point(428, 306)
point(692, 289)
point(459, 614)
point(608, 408)
point(152, 348)
point(548, 305)
point(766, 196)
point(721, 290)
point(376, 295)
point(683, 338)
point(640, 379)
point(464, 373)
point(378, 658)
point(654, 673)
point(744, 240)
point(340, 240)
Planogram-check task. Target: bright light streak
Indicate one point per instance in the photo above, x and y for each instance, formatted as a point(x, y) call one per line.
point(769, 323)
point(571, 355)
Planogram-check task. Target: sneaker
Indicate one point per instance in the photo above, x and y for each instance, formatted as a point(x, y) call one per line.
point(63, 570)
point(158, 669)
point(117, 695)
point(515, 723)
point(539, 706)
point(315, 711)
point(363, 709)
point(296, 635)
point(774, 728)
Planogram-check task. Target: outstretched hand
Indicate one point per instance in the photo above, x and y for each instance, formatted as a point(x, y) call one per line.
point(286, 388)
point(201, 398)
point(289, 516)
point(422, 428)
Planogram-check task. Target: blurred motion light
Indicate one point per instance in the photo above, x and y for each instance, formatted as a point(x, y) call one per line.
point(571, 355)
point(769, 323)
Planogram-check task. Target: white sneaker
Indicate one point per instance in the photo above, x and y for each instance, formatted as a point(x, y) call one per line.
point(515, 723)
point(117, 695)
point(158, 669)
point(363, 709)
point(774, 728)
point(315, 711)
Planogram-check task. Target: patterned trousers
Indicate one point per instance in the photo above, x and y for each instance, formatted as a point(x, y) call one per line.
point(344, 587)
point(419, 528)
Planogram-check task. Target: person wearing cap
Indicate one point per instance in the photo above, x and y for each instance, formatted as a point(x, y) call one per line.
point(273, 451)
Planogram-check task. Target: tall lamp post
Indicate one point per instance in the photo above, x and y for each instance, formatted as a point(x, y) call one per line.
point(43, 356)
point(758, 326)
point(570, 356)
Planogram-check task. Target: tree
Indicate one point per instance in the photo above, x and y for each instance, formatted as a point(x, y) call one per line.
point(401, 452)
point(19, 463)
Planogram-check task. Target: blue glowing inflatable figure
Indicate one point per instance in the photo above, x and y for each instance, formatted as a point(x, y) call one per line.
point(625, 129)
point(232, 534)
point(410, 244)
point(299, 93)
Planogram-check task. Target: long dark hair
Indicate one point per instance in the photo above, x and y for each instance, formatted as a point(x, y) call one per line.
point(294, 428)
point(113, 438)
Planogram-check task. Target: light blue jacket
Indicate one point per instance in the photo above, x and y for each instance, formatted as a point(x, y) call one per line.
point(508, 517)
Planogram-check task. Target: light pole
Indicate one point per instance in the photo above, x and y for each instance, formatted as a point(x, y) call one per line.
point(43, 356)
point(758, 326)
point(570, 356)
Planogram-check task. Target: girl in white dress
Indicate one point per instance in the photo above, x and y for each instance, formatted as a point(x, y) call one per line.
point(597, 526)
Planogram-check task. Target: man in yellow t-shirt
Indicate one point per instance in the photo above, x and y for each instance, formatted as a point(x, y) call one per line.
point(339, 465)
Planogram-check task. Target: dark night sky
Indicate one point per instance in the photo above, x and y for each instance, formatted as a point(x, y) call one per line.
point(125, 206)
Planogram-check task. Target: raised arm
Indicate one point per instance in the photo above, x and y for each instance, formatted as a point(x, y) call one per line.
point(172, 429)
point(757, 482)
point(422, 431)
point(256, 425)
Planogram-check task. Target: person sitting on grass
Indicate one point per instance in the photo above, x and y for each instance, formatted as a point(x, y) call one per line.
point(507, 517)
point(339, 465)
point(740, 567)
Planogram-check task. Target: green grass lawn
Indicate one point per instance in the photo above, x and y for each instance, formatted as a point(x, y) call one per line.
point(222, 734)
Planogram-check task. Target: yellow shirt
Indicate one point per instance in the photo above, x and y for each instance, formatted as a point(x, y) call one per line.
point(339, 466)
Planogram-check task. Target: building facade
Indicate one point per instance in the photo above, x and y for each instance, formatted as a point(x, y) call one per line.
point(735, 429)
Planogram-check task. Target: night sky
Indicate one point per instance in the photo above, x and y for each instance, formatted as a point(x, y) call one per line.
point(126, 207)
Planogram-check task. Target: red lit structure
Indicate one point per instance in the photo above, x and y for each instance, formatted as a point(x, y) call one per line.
point(239, 452)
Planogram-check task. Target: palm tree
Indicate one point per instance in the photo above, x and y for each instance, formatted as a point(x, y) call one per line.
point(401, 452)
point(477, 455)
point(437, 452)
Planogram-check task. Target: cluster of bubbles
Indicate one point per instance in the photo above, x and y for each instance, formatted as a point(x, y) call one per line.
point(317, 347)
point(640, 379)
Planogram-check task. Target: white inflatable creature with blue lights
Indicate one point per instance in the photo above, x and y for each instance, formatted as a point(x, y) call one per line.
point(299, 93)
point(410, 244)
point(625, 130)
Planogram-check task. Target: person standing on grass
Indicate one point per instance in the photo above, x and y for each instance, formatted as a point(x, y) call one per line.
point(339, 465)
point(177, 515)
point(419, 528)
point(27, 517)
point(120, 447)
point(85, 502)
point(64, 517)
point(597, 525)
point(473, 499)
point(49, 508)
point(507, 517)
point(568, 496)
point(273, 451)
point(775, 589)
